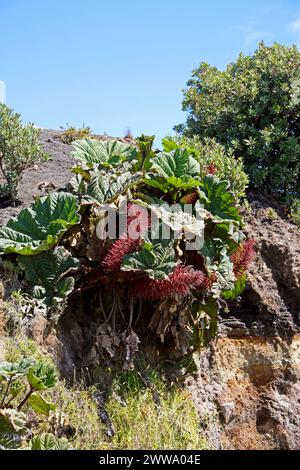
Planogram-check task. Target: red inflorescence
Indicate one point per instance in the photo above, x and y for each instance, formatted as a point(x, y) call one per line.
point(211, 169)
point(180, 282)
point(190, 198)
point(209, 281)
point(129, 241)
point(121, 247)
point(242, 258)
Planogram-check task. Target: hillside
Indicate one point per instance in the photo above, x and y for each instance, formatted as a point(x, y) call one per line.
point(247, 390)
point(50, 175)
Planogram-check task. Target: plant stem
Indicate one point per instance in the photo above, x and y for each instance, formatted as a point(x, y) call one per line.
point(2, 169)
point(6, 392)
point(25, 399)
point(9, 401)
point(131, 313)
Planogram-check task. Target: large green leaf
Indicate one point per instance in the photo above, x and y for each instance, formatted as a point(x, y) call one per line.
point(104, 186)
point(237, 290)
point(178, 163)
point(156, 260)
point(77, 185)
point(47, 274)
point(14, 370)
point(217, 200)
point(229, 233)
point(92, 151)
point(42, 376)
point(49, 442)
point(175, 169)
point(224, 273)
point(168, 145)
point(40, 227)
point(39, 405)
point(12, 429)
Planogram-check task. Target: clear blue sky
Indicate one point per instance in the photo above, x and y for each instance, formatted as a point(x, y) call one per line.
point(117, 64)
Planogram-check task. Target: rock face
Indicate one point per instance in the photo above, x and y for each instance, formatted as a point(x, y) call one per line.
point(248, 393)
point(248, 389)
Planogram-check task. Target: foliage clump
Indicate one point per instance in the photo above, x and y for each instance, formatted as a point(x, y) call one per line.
point(214, 158)
point(252, 107)
point(295, 211)
point(177, 229)
point(19, 149)
point(21, 385)
point(71, 133)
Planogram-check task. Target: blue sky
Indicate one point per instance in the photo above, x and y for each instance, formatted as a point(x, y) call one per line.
point(118, 64)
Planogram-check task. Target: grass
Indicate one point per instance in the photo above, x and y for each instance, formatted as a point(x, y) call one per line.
point(271, 214)
point(143, 423)
point(145, 413)
point(71, 134)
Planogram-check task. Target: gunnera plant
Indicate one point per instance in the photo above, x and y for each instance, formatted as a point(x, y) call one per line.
point(172, 258)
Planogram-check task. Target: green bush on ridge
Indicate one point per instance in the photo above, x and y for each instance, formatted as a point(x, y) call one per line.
point(253, 108)
point(19, 149)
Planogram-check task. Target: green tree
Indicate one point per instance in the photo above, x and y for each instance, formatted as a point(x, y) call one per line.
point(19, 149)
point(252, 107)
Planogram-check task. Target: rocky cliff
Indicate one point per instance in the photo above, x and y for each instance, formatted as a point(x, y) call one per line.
point(248, 388)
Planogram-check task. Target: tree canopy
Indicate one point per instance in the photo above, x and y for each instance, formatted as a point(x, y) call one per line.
point(252, 107)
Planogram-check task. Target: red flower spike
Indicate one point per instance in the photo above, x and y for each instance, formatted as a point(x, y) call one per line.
point(242, 258)
point(129, 241)
point(120, 248)
point(211, 169)
point(190, 198)
point(209, 281)
point(180, 282)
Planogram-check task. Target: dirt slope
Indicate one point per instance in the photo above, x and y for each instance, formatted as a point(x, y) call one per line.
point(53, 173)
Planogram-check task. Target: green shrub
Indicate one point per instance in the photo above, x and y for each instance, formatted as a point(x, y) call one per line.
point(271, 214)
point(295, 211)
point(252, 107)
point(19, 150)
point(72, 133)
